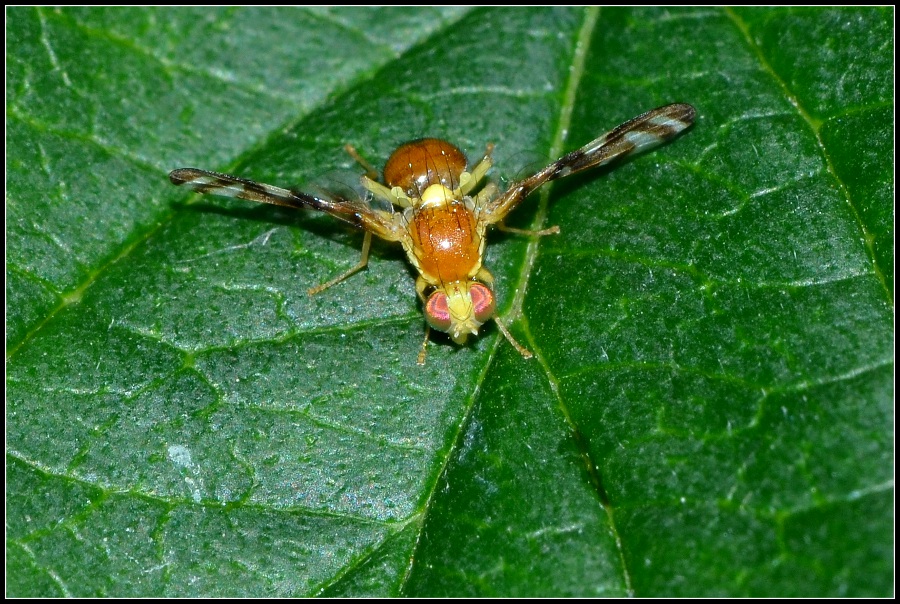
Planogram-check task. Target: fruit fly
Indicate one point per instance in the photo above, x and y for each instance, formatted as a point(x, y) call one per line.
point(441, 218)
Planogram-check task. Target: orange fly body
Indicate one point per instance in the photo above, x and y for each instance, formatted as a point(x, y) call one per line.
point(440, 220)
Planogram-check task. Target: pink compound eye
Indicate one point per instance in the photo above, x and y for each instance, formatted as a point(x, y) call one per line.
point(483, 301)
point(437, 311)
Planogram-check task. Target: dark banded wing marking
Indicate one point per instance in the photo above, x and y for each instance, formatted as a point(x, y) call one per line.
point(356, 213)
point(642, 133)
point(215, 183)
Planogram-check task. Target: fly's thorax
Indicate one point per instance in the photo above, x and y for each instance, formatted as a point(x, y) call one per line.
point(446, 239)
point(460, 308)
point(435, 195)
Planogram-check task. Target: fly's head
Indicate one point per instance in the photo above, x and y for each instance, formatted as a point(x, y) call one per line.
point(460, 308)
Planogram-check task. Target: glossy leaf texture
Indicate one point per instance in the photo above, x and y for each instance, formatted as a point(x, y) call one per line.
point(710, 409)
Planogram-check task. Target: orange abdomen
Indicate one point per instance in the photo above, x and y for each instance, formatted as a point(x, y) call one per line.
point(421, 163)
point(446, 242)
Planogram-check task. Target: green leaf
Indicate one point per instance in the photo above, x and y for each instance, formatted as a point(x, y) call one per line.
point(710, 409)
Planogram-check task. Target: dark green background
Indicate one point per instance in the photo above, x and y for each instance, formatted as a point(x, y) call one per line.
point(711, 407)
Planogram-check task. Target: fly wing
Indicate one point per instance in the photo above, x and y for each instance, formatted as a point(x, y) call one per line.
point(642, 133)
point(215, 183)
point(358, 214)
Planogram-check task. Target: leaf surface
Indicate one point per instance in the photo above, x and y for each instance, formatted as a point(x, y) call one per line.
point(710, 409)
